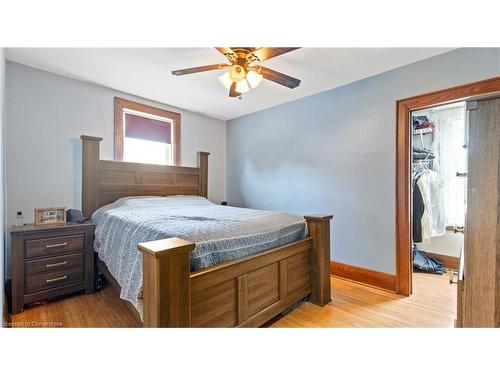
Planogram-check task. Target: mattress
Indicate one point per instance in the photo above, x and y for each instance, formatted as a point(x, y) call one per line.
point(220, 233)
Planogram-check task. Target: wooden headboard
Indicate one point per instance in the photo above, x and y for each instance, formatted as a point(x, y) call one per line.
point(105, 181)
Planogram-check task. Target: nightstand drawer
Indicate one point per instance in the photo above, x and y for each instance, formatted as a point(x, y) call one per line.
point(53, 279)
point(52, 264)
point(54, 245)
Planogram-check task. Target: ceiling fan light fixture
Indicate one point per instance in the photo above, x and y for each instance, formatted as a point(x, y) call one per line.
point(240, 75)
point(242, 87)
point(236, 73)
point(225, 80)
point(254, 78)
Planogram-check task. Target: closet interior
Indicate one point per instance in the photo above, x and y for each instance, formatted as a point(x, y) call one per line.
point(439, 168)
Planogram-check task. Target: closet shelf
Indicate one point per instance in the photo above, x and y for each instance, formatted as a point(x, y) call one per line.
point(423, 131)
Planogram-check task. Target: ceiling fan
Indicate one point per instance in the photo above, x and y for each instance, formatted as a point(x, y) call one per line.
point(241, 73)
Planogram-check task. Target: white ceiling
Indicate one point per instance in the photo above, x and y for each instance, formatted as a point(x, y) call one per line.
point(146, 72)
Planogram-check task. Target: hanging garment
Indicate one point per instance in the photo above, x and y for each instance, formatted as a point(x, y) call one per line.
point(433, 219)
point(418, 211)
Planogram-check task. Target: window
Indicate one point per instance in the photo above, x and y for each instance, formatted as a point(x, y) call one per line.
point(145, 134)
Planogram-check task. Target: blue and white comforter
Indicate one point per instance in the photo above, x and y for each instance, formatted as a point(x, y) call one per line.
point(220, 233)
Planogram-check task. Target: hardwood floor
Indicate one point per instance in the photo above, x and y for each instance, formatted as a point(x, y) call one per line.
point(99, 310)
point(433, 304)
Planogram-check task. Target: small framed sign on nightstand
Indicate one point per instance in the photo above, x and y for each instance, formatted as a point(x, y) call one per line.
point(54, 215)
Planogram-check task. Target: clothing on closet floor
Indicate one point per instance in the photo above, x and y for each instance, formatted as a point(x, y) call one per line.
point(422, 263)
point(433, 219)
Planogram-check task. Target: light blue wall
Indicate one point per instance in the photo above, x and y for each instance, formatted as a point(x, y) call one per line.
point(334, 152)
point(45, 116)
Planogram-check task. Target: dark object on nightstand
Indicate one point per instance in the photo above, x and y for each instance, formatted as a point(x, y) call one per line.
point(50, 261)
point(74, 216)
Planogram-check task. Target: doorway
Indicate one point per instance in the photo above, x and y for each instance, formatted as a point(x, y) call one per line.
point(404, 241)
point(438, 201)
point(404, 264)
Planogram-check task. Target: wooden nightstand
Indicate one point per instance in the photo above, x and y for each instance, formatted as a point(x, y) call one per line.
point(50, 261)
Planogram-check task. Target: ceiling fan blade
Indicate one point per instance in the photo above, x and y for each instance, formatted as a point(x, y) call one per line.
point(277, 77)
point(266, 53)
point(198, 69)
point(232, 91)
point(228, 52)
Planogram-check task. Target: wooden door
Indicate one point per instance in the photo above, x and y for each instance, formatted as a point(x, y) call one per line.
point(481, 294)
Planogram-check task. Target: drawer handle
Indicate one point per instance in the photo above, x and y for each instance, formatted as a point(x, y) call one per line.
point(57, 279)
point(62, 244)
point(56, 264)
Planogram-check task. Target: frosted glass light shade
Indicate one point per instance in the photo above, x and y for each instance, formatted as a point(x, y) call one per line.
point(242, 87)
point(254, 78)
point(236, 73)
point(225, 80)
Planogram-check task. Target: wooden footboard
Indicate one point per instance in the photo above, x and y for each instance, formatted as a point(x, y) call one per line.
point(245, 292)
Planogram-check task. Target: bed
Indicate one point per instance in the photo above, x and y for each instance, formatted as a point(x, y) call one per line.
point(181, 261)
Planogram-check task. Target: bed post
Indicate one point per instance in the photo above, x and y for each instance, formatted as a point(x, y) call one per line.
point(166, 285)
point(319, 230)
point(203, 179)
point(90, 174)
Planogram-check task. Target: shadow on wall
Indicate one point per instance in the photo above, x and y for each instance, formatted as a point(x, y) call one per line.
point(77, 172)
point(325, 146)
point(293, 171)
point(263, 187)
point(295, 188)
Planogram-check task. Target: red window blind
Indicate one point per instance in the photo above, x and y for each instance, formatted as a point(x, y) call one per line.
point(147, 129)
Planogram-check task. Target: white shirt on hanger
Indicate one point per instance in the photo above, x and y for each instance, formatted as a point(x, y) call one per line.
point(433, 220)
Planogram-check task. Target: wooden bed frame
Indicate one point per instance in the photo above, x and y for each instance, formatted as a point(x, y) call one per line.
point(245, 292)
